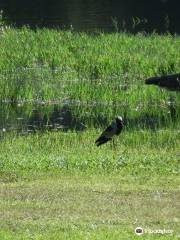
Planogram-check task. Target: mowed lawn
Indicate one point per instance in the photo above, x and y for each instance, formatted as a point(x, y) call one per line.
point(79, 206)
point(61, 186)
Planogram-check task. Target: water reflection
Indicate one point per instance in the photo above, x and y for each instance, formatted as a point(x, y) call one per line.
point(25, 118)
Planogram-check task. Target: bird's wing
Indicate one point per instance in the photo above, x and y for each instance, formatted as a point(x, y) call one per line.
point(118, 131)
point(110, 131)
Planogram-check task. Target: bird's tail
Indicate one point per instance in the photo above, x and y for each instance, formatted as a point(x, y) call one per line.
point(98, 143)
point(153, 80)
point(101, 141)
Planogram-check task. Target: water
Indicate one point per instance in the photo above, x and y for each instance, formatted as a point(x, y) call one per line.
point(26, 116)
point(107, 15)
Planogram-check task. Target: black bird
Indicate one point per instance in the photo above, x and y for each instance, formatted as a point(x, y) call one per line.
point(114, 129)
point(170, 82)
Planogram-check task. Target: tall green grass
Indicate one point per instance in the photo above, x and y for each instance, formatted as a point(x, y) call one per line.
point(97, 76)
point(83, 55)
point(65, 56)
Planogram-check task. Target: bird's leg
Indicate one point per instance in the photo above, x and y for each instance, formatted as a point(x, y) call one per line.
point(113, 145)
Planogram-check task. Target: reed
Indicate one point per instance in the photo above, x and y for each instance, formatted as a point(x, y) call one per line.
point(103, 75)
point(61, 56)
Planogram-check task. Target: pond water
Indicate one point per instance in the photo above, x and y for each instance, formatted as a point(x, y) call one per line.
point(76, 107)
point(107, 15)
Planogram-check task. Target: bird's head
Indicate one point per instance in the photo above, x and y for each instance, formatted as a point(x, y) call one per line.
point(119, 120)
